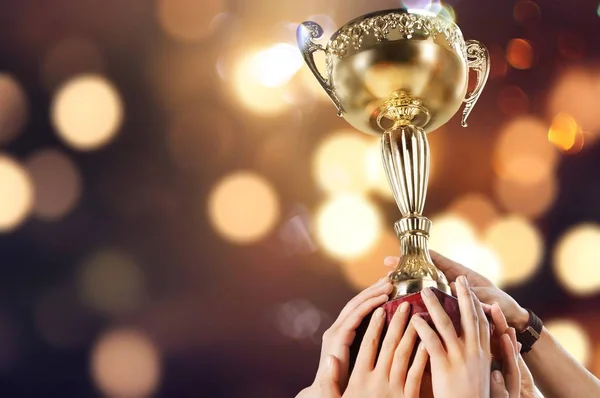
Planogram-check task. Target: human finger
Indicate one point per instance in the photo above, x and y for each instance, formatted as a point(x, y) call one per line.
point(382, 286)
point(499, 319)
point(402, 355)
point(469, 318)
point(510, 367)
point(354, 319)
point(484, 325)
point(367, 352)
point(497, 387)
point(392, 338)
point(440, 319)
point(329, 381)
point(412, 388)
point(430, 339)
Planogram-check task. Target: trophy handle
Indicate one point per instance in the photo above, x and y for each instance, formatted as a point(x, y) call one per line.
point(306, 33)
point(478, 59)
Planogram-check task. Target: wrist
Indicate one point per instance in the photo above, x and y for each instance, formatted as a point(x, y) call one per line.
point(520, 320)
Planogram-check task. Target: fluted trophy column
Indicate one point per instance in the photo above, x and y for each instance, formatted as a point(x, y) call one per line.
point(405, 154)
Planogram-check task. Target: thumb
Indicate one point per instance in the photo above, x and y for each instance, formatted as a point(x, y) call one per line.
point(329, 381)
point(497, 387)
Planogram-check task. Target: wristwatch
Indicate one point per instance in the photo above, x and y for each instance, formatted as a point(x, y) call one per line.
point(531, 334)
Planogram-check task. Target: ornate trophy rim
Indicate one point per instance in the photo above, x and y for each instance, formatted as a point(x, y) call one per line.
point(346, 37)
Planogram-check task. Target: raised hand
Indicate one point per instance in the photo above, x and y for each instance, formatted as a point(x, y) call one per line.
point(387, 375)
point(335, 351)
point(460, 366)
point(484, 289)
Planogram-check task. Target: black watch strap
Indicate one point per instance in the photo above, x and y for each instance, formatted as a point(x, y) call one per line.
point(531, 334)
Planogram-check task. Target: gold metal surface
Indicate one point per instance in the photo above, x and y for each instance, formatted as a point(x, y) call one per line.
point(401, 74)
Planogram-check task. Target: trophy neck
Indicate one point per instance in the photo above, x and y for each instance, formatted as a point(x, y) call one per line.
point(405, 153)
point(415, 270)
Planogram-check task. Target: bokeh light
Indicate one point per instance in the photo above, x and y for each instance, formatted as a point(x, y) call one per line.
point(125, 363)
point(456, 239)
point(111, 282)
point(519, 54)
point(16, 193)
point(530, 200)
point(348, 226)
point(57, 183)
point(477, 209)
point(340, 163)
point(513, 101)
point(577, 93)
point(243, 207)
point(13, 108)
point(450, 234)
point(259, 79)
point(188, 20)
point(564, 132)
point(523, 153)
point(364, 270)
point(576, 257)
point(572, 337)
point(527, 12)
point(87, 112)
point(518, 247)
point(71, 56)
point(297, 319)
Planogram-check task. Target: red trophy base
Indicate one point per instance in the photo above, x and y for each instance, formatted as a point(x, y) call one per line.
point(417, 306)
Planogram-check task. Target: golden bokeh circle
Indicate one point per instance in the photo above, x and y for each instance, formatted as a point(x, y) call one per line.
point(523, 153)
point(16, 193)
point(475, 208)
point(576, 258)
point(126, 363)
point(348, 226)
point(530, 200)
point(243, 207)
point(340, 163)
point(87, 112)
point(572, 337)
point(364, 270)
point(518, 246)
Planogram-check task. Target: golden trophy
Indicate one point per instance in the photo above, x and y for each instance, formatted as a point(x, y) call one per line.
point(401, 74)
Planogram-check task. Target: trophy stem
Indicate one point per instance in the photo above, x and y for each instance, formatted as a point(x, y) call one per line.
point(405, 152)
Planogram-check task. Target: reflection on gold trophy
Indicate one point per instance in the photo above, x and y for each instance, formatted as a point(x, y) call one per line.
point(401, 74)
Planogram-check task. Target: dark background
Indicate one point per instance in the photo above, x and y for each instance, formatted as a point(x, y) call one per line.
point(192, 312)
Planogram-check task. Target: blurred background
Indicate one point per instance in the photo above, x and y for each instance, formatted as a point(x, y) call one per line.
point(182, 213)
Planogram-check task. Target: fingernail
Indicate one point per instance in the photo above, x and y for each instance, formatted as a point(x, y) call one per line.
point(519, 346)
point(416, 317)
point(497, 376)
point(427, 292)
point(329, 361)
point(379, 312)
point(463, 281)
point(421, 346)
point(389, 261)
point(403, 307)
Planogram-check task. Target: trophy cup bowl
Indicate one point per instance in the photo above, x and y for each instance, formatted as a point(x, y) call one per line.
point(401, 74)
